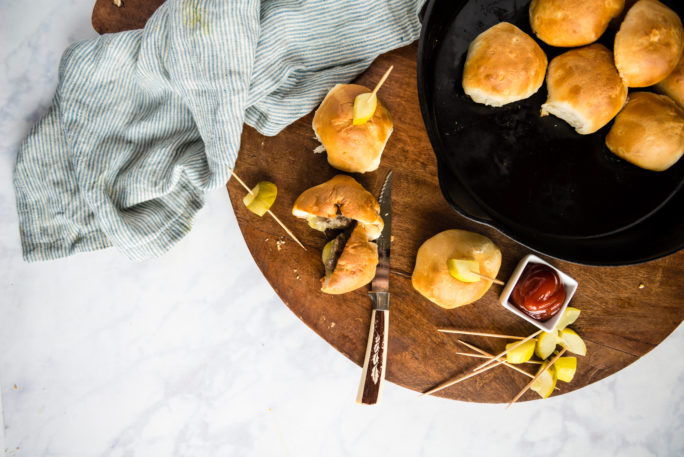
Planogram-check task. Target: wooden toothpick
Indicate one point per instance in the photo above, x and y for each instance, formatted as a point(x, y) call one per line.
point(468, 332)
point(488, 278)
point(382, 81)
point(462, 378)
point(496, 357)
point(269, 211)
point(529, 384)
point(481, 356)
point(509, 365)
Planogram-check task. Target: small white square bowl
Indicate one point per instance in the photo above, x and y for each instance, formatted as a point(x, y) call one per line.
point(570, 288)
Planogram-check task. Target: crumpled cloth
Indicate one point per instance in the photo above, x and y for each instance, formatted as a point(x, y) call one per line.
point(145, 122)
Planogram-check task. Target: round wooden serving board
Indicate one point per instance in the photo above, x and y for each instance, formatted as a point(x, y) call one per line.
point(620, 321)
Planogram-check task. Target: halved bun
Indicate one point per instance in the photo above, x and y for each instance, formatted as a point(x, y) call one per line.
point(432, 279)
point(503, 65)
point(570, 23)
point(356, 265)
point(351, 148)
point(649, 43)
point(648, 132)
point(673, 85)
point(585, 89)
point(340, 196)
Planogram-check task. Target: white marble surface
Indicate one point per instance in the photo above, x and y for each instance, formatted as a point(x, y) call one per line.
point(193, 354)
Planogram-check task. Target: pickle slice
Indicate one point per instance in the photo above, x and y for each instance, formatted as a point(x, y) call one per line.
point(327, 251)
point(522, 353)
point(545, 383)
point(571, 340)
point(463, 269)
point(546, 344)
point(569, 317)
point(364, 108)
point(262, 197)
point(566, 368)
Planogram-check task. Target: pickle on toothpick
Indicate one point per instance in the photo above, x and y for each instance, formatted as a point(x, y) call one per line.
point(261, 198)
point(546, 344)
point(571, 340)
point(464, 270)
point(521, 353)
point(327, 251)
point(569, 317)
point(364, 108)
point(366, 104)
point(545, 384)
point(565, 368)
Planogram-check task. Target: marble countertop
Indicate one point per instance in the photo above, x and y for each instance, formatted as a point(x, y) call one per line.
point(193, 354)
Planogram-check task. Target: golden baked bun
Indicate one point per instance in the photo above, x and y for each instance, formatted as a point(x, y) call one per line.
point(648, 132)
point(431, 276)
point(356, 265)
point(649, 43)
point(503, 65)
point(585, 89)
point(336, 202)
point(673, 85)
point(570, 23)
point(351, 148)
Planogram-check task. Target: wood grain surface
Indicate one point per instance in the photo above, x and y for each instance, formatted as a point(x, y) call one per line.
point(620, 320)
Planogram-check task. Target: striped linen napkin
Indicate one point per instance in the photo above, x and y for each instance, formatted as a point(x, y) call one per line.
point(145, 122)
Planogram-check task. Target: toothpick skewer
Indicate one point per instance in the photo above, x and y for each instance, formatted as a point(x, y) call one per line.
point(382, 81)
point(468, 332)
point(269, 211)
point(488, 355)
point(510, 365)
point(488, 278)
point(496, 357)
point(462, 378)
point(529, 384)
point(481, 356)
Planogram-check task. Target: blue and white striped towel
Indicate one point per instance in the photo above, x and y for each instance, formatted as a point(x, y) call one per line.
point(145, 122)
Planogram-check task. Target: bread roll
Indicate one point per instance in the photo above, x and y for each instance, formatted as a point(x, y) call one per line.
point(432, 279)
point(648, 132)
point(356, 265)
point(673, 85)
point(351, 148)
point(584, 88)
point(503, 65)
point(649, 43)
point(336, 202)
point(570, 23)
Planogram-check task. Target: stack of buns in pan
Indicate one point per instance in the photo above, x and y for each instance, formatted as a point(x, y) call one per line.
point(588, 86)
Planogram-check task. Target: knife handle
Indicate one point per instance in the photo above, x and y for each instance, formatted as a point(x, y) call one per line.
point(373, 375)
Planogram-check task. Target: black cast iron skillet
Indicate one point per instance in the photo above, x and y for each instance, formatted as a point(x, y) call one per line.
point(531, 177)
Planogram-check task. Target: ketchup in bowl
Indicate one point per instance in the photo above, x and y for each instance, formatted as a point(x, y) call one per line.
point(539, 292)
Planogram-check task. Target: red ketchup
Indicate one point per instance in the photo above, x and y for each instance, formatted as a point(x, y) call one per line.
point(539, 292)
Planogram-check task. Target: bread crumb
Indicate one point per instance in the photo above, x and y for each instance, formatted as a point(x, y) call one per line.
point(118, 3)
point(332, 325)
point(279, 245)
point(15, 387)
point(392, 239)
point(641, 285)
